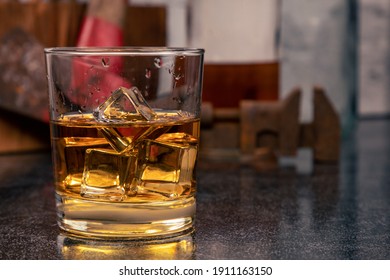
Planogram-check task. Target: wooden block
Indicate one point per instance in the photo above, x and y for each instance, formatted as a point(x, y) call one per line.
point(259, 125)
point(327, 129)
point(274, 125)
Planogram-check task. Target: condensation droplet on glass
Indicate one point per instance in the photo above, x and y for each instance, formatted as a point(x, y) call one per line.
point(106, 61)
point(148, 73)
point(157, 62)
point(146, 93)
point(91, 93)
point(178, 76)
point(177, 99)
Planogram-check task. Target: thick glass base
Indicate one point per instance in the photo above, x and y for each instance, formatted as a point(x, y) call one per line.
point(177, 247)
point(124, 220)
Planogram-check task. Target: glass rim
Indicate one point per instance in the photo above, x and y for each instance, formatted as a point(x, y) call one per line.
point(122, 50)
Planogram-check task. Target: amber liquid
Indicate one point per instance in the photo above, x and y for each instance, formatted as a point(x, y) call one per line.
point(125, 180)
point(225, 85)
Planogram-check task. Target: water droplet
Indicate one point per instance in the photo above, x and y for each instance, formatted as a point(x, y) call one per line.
point(157, 62)
point(148, 73)
point(178, 76)
point(106, 61)
point(146, 93)
point(173, 195)
point(178, 100)
point(91, 93)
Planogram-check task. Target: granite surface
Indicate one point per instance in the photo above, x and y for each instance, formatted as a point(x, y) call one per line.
point(337, 212)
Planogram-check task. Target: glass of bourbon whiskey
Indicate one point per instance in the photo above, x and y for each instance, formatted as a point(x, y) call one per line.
point(125, 126)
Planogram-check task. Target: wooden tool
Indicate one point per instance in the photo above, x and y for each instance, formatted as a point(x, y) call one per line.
point(266, 130)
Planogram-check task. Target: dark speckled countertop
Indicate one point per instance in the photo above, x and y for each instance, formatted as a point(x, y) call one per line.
point(337, 212)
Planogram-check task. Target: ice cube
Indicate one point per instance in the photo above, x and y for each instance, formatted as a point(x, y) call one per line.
point(71, 151)
point(122, 144)
point(161, 161)
point(162, 190)
point(117, 108)
point(178, 138)
point(115, 139)
point(107, 174)
point(151, 133)
point(72, 182)
point(165, 168)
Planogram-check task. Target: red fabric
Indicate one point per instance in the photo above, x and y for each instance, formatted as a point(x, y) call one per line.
point(94, 78)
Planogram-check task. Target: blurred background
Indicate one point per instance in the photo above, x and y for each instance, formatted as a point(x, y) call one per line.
point(255, 50)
